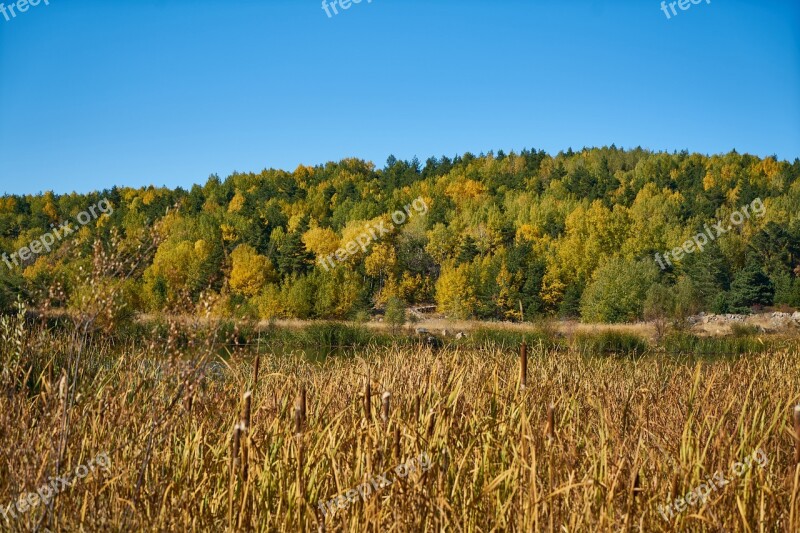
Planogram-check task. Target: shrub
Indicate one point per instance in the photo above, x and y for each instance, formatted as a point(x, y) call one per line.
point(688, 344)
point(486, 338)
point(743, 330)
point(617, 292)
point(395, 313)
point(336, 335)
point(610, 343)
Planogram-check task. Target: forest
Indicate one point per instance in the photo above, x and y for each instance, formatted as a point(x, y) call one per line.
point(512, 237)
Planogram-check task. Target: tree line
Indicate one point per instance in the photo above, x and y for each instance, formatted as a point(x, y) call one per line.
point(505, 237)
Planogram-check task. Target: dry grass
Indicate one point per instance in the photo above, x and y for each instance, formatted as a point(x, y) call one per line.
point(627, 436)
point(566, 327)
point(452, 324)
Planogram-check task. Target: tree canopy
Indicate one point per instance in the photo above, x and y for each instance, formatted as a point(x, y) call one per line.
point(508, 236)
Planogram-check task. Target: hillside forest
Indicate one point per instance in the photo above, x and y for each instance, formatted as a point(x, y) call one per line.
point(516, 237)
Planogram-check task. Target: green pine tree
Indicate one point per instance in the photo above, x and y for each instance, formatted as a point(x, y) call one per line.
point(751, 286)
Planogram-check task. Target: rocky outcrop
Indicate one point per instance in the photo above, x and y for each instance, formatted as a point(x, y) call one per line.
point(764, 322)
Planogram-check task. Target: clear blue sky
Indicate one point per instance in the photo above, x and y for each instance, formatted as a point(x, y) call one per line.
point(166, 92)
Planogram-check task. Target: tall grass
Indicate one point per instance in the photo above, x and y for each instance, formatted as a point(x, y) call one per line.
point(610, 343)
point(488, 338)
point(681, 343)
point(625, 435)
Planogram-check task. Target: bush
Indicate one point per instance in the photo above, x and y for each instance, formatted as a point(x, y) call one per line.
point(395, 313)
point(611, 343)
point(334, 335)
point(105, 304)
point(711, 347)
point(618, 290)
point(743, 330)
point(659, 305)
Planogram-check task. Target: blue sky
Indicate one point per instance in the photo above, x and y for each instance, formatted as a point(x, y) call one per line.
point(166, 92)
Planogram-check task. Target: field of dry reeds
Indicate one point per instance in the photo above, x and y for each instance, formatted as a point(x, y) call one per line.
point(588, 444)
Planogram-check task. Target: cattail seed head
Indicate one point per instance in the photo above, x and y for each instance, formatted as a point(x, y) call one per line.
point(248, 400)
point(62, 388)
point(386, 399)
point(551, 422)
point(396, 450)
point(298, 420)
point(255, 371)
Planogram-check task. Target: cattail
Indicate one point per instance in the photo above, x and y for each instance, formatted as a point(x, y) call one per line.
point(416, 408)
point(675, 483)
point(300, 479)
point(300, 407)
point(255, 371)
point(368, 401)
point(523, 365)
point(385, 400)
point(551, 422)
point(302, 400)
point(235, 445)
point(396, 451)
point(298, 420)
point(248, 399)
point(189, 403)
point(62, 388)
point(797, 433)
point(245, 425)
point(233, 470)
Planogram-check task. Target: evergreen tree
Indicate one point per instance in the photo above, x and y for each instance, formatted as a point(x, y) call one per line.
point(291, 253)
point(467, 251)
point(750, 287)
point(709, 274)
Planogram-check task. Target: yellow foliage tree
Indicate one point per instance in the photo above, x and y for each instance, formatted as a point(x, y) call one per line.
point(269, 303)
point(380, 263)
point(237, 203)
point(591, 234)
point(455, 296)
point(250, 271)
point(654, 220)
point(508, 295)
point(178, 269)
point(321, 241)
point(465, 189)
point(415, 288)
point(553, 288)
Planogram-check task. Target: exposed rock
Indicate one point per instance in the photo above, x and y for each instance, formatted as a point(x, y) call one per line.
point(770, 322)
point(728, 317)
